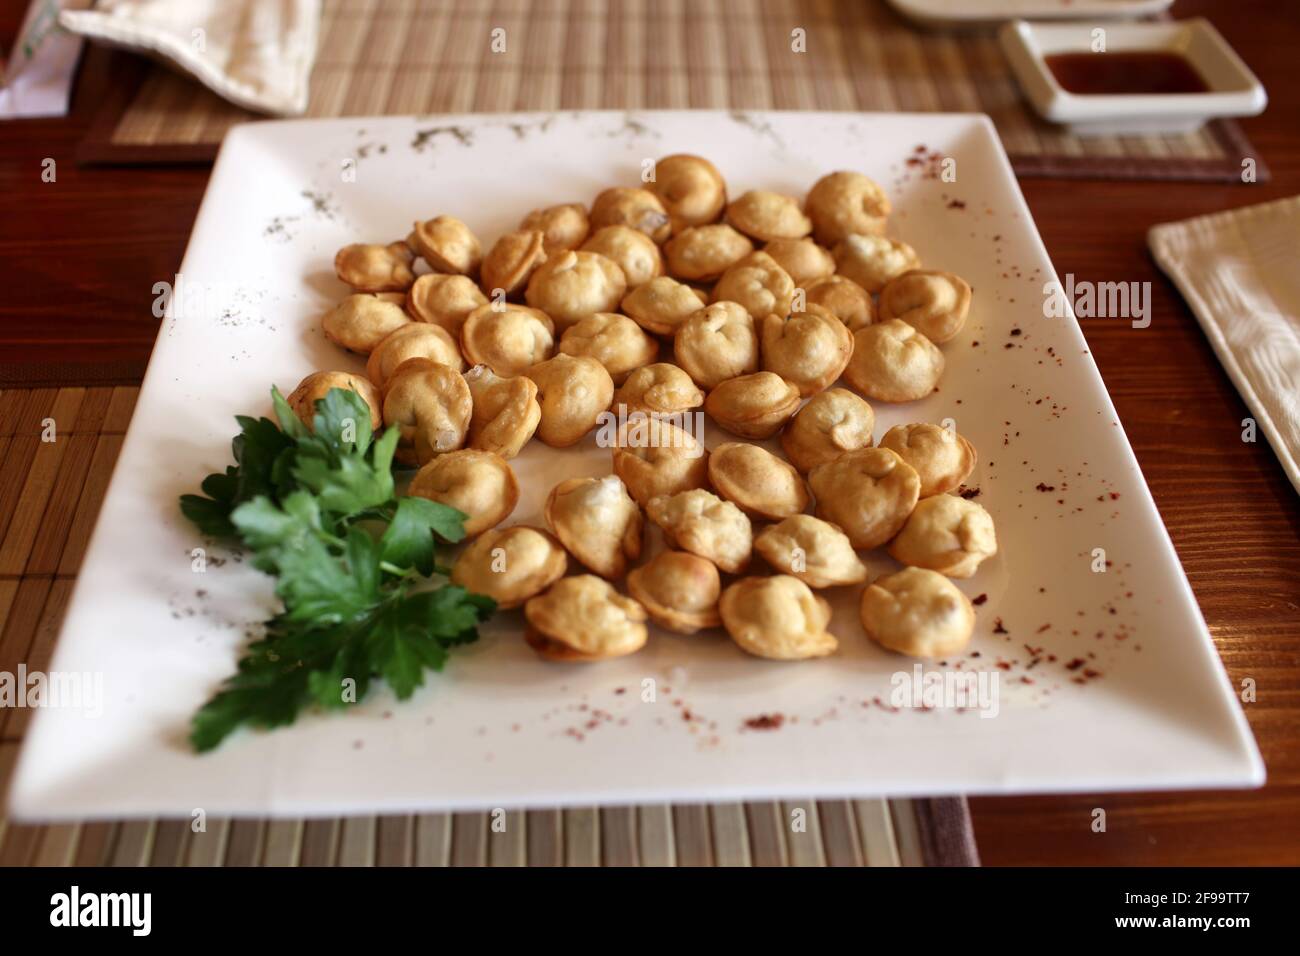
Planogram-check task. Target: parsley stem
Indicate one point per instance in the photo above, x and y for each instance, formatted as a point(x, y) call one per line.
point(395, 570)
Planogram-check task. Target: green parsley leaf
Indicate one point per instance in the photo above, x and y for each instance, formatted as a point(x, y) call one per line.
point(316, 509)
point(257, 449)
point(408, 542)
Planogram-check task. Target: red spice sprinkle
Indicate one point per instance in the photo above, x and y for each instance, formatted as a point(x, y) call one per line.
point(1044, 488)
point(997, 626)
point(620, 690)
point(1016, 331)
point(956, 204)
point(977, 601)
point(1075, 664)
point(968, 493)
point(765, 722)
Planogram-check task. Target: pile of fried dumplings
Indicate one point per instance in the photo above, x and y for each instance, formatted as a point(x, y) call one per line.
point(781, 321)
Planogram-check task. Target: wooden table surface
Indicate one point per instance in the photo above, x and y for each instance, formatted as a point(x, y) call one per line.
point(79, 257)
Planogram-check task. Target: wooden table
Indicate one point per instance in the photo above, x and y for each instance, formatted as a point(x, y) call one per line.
point(79, 257)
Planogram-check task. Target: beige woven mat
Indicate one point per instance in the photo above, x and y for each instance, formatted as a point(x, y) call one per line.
point(435, 56)
point(50, 494)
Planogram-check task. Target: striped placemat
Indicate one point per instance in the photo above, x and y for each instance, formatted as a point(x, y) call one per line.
point(50, 494)
point(435, 56)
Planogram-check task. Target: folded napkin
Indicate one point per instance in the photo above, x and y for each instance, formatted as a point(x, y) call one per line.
point(1240, 273)
point(38, 75)
point(256, 53)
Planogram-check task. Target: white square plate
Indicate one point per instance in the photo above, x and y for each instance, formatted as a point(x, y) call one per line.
point(1107, 680)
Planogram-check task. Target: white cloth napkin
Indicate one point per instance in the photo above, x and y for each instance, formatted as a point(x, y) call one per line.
point(38, 75)
point(1240, 273)
point(256, 53)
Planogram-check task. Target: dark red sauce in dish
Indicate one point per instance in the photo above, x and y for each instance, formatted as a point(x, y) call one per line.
point(1138, 71)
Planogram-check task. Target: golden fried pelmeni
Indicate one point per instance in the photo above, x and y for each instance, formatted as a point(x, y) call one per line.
point(948, 534)
point(808, 349)
point(573, 391)
point(658, 389)
point(844, 299)
point(892, 362)
point(778, 618)
point(613, 340)
point(317, 385)
point(700, 522)
point(634, 251)
point(812, 550)
point(597, 522)
point(654, 457)
point(372, 267)
point(868, 493)
point(638, 209)
point(510, 565)
point(363, 320)
point(509, 339)
point(942, 458)
point(802, 259)
point(758, 284)
point(563, 226)
point(431, 405)
point(690, 188)
point(756, 481)
point(582, 619)
point(936, 303)
point(444, 300)
point(662, 304)
point(872, 261)
point(478, 484)
point(447, 244)
point(512, 260)
point(703, 253)
point(753, 406)
point(506, 411)
point(831, 423)
point(679, 591)
point(571, 285)
point(717, 343)
point(765, 215)
point(413, 340)
point(917, 612)
point(845, 203)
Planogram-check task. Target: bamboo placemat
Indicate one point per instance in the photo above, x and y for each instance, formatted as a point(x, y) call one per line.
point(433, 57)
point(50, 494)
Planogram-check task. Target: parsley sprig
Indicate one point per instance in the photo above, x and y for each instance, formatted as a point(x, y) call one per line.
point(316, 508)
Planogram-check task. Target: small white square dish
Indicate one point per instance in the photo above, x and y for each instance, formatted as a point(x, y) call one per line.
point(966, 14)
point(1219, 83)
point(1101, 672)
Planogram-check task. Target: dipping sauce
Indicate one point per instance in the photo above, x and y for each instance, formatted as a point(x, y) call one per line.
point(1130, 72)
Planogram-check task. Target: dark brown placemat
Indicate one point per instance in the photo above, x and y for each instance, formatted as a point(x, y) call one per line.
point(433, 57)
point(50, 495)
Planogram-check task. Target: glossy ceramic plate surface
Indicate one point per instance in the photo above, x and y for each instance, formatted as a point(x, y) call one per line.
point(1106, 679)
